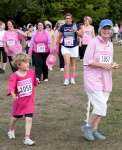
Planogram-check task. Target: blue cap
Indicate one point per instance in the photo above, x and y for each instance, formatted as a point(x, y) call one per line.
point(105, 22)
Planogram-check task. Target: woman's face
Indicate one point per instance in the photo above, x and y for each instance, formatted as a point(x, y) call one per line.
point(30, 29)
point(106, 32)
point(68, 19)
point(40, 26)
point(10, 25)
point(86, 22)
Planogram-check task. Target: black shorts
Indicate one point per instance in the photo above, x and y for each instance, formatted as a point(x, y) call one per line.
point(21, 116)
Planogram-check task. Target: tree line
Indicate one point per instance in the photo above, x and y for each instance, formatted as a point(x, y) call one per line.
point(25, 11)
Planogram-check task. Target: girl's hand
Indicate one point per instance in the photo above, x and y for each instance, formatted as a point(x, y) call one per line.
point(37, 80)
point(14, 96)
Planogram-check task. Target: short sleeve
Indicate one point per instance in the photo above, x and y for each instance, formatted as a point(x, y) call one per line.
point(89, 53)
point(12, 84)
point(61, 29)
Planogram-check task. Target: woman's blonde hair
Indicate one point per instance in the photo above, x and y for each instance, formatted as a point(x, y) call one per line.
point(88, 18)
point(19, 58)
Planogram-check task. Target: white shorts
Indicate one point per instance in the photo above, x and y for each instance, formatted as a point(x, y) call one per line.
point(73, 52)
point(99, 100)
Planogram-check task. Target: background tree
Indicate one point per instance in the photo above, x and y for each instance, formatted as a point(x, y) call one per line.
point(25, 11)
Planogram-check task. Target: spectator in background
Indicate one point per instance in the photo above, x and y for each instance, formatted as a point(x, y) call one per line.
point(2, 50)
point(116, 31)
point(88, 34)
point(40, 47)
point(12, 42)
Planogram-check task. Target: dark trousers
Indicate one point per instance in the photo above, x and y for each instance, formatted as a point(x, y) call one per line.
point(27, 50)
point(13, 67)
point(61, 58)
point(4, 55)
point(82, 50)
point(40, 65)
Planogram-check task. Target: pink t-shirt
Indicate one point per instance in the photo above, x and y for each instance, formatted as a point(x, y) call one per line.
point(12, 43)
point(98, 79)
point(87, 34)
point(40, 42)
point(24, 87)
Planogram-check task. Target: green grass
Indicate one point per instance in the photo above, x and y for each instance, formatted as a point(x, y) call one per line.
point(60, 111)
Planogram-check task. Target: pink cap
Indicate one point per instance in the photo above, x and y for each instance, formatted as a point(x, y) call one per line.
point(51, 61)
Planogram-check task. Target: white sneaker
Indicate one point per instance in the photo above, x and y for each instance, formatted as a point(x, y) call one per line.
point(11, 134)
point(28, 141)
point(72, 81)
point(46, 80)
point(61, 69)
point(66, 82)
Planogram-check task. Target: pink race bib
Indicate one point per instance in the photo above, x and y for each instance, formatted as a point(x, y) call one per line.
point(24, 87)
point(40, 48)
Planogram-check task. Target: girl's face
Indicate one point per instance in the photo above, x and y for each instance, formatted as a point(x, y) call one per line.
point(106, 32)
point(68, 19)
point(24, 66)
point(40, 26)
point(10, 25)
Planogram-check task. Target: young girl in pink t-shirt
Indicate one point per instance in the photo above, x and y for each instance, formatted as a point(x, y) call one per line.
point(21, 86)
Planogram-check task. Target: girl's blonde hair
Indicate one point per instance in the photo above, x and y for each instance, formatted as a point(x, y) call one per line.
point(19, 58)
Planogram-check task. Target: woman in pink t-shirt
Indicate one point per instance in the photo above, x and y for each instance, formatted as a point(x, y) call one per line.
point(21, 87)
point(88, 34)
point(98, 64)
point(40, 46)
point(12, 38)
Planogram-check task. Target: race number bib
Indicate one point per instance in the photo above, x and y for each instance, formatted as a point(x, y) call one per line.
point(40, 48)
point(88, 33)
point(68, 41)
point(24, 87)
point(1, 43)
point(11, 42)
point(105, 59)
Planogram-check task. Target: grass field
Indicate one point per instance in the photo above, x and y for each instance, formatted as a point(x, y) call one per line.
point(60, 112)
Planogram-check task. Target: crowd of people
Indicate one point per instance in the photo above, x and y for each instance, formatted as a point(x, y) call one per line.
point(40, 45)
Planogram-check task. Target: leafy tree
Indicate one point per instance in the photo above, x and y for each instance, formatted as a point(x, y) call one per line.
point(115, 10)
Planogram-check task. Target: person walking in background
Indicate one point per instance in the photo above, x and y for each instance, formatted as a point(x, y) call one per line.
point(69, 49)
point(28, 36)
point(21, 86)
point(120, 33)
point(116, 32)
point(48, 28)
point(58, 50)
point(2, 50)
point(40, 46)
point(12, 39)
point(88, 34)
point(98, 65)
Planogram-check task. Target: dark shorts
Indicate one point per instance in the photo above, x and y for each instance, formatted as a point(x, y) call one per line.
point(21, 116)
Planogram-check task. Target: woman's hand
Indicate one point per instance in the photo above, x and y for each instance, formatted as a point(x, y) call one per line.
point(115, 65)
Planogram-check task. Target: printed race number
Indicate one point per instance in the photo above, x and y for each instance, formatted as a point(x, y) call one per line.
point(24, 87)
point(11, 42)
point(40, 48)
point(105, 59)
point(1, 43)
point(68, 41)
